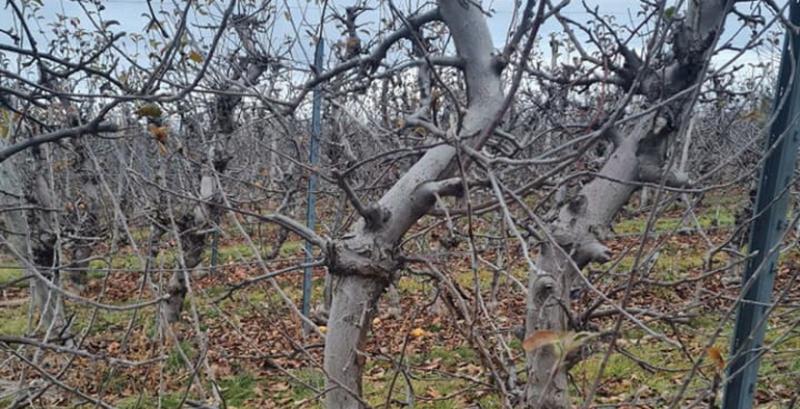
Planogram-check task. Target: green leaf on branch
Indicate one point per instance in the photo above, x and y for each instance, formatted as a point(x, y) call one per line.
point(149, 110)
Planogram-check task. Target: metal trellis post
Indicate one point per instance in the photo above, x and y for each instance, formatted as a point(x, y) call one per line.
point(768, 227)
point(313, 158)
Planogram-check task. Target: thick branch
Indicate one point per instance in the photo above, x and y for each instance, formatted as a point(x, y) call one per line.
point(78, 131)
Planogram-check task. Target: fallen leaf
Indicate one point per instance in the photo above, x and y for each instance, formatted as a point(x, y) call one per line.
point(279, 387)
point(716, 356)
point(539, 339)
point(417, 332)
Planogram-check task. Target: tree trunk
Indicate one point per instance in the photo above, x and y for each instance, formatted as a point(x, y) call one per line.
point(639, 156)
point(79, 267)
point(195, 226)
point(577, 232)
point(84, 218)
point(352, 309)
point(644, 198)
point(364, 262)
point(193, 231)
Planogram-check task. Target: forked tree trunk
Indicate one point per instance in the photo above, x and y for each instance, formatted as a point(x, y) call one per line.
point(364, 263)
point(195, 226)
point(576, 231)
point(43, 255)
point(639, 156)
point(29, 230)
point(193, 230)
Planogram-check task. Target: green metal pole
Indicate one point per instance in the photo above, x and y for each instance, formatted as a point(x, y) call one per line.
point(768, 226)
point(313, 158)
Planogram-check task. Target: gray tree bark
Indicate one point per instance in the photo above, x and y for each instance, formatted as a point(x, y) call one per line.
point(29, 229)
point(84, 218)
point(196, 226)
point(364, 262)
point(639, 156)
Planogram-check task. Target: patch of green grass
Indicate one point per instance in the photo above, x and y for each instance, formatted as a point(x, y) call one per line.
point(376, 388)
point(410, 285)
point(625, 264)
point(238, 389)
point(166, 258)
point(704, 321)
point(716, 216)
point(309, 376)
point(175, 361)
point(790, 254)
point(97, 269)
point(453, 356)
point(674, 262)
point(230, 305)
point(723, 218)
point(618, 366)
point(490, 402)
point(147, 401)
point(9, 274)
point(467, 279)
point(14, 320)
point(135, 402)
point(290, 248)
point(783, 345)
point(257, 295)
point(624, 373)
point(725, 200)
point(106, 321)
point(110, 320)
point(215, 291)
point(231, 253)
point(443, 387)
point(140, 234)
point(318, 288)
point(115, 383)
point(243, 251)
point(377, 380)
point(638, 225)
